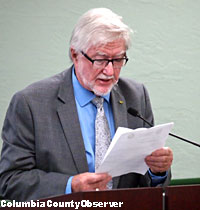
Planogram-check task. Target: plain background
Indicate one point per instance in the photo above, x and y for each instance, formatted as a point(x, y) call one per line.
point(165, 56)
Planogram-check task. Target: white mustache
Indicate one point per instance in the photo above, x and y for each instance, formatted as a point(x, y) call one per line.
point(102, 76)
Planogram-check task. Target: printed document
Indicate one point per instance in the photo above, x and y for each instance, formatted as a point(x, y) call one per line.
point(129, 148)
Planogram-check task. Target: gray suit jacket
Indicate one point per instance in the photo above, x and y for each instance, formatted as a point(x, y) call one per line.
point(42, 140)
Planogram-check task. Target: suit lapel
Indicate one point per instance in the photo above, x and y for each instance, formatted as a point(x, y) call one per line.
point(68, 115)
point(120, 115)
point(119, 108)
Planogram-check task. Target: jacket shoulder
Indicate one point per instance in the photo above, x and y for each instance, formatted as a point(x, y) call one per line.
point(44, 89)
point(129, 86)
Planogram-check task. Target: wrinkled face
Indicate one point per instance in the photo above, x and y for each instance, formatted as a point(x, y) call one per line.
point(99, 80)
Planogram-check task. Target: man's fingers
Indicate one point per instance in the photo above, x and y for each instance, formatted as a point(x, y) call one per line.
point(153, 159)
point(90, 181)
point(161, 155)
point(160, 160)
point(165, 151)
point(98, 177)
point(158, 164)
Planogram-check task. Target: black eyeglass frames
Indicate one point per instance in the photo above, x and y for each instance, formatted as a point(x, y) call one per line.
point(102, 63)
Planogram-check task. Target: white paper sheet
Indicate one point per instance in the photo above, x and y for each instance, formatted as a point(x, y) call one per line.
point(129, 148)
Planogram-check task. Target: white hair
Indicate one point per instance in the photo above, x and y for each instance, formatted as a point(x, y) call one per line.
point(99, 26)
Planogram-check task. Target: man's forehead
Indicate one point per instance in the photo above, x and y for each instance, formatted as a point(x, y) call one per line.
point(106, 54)
point(116, 48)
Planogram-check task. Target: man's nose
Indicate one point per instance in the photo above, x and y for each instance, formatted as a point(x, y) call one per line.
point(109, 70)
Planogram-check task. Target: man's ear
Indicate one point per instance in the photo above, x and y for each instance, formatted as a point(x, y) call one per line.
point(73, 55)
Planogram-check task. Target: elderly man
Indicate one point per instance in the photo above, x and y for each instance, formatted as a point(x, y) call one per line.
point(57, 131)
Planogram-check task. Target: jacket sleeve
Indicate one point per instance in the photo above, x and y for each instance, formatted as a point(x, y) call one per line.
point(20, 179)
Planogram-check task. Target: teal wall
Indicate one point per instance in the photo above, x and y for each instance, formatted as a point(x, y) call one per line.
point(165, 56)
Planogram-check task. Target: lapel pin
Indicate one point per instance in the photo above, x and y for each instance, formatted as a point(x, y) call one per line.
point(121, 102)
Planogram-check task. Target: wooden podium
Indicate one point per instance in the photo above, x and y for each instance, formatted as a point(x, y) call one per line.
point(185, 197)
point(128, 199)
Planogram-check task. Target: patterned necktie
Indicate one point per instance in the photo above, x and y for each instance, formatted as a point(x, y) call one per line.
point(102, 133)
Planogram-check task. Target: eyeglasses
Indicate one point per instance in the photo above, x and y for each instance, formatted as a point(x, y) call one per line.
point(102, 63)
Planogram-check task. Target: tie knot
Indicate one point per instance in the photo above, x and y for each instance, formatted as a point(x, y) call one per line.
point(98, 102)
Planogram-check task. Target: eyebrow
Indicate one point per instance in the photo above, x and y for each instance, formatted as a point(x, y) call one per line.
point(105, 55)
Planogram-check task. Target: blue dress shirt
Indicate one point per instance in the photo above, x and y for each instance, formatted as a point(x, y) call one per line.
point(87, 115)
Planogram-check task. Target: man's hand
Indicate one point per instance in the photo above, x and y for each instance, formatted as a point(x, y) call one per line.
point(90, 181)
point(160, 160)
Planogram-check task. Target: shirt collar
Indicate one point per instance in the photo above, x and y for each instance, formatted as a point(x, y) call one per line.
point(82, 95)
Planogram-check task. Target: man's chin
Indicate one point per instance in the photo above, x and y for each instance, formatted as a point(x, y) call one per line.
point(99, 92)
